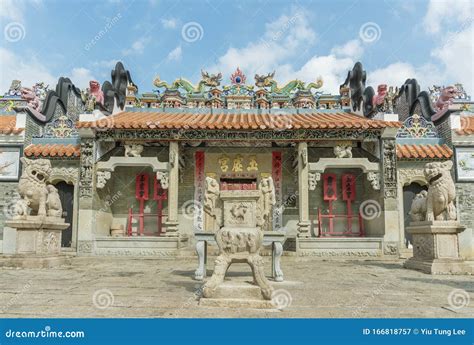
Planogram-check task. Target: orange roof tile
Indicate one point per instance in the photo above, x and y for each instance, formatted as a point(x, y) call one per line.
point(467, 126)
point(8, 125)
point(236, 121)
point(52, 150)
point(423, 151)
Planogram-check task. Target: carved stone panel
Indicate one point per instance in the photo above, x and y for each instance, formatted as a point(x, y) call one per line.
point(389, 168)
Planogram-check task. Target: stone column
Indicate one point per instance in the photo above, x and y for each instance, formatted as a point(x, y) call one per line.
point(86, 217)
point(172, 222)
point(303, 201)
point(390, 191)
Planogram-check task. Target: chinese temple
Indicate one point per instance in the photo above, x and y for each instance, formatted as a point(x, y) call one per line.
point(136, 172)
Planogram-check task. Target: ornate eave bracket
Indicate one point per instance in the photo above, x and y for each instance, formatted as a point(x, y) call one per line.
point(313, 179)
point(102, 178)
point(164, 178)
point(374, 179)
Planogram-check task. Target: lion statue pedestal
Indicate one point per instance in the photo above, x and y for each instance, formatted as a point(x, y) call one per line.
point(435, 229)
point(239, 241)
point(436, 248)
point(37, 218)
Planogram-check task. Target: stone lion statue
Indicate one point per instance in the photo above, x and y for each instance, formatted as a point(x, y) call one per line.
point(441, 191)
point(418, 207)
point(42, 199)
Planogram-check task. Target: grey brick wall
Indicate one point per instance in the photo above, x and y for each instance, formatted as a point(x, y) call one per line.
point(7, 192)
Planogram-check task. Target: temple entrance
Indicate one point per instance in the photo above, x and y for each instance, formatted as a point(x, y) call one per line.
point(66, 194)
point(409, 193)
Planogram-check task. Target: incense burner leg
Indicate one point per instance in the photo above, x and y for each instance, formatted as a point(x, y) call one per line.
point(222, 263)
point(200, 272)
point(276, 255)
point(257, 264)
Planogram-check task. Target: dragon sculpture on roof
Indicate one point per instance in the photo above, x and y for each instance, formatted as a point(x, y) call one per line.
point(210, 80)
point(268, 81)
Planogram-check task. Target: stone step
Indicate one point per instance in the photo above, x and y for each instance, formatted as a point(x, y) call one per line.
point(238, 289)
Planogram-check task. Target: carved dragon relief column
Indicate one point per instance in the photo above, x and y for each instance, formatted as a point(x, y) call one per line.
point(303, 201)
point(390, 191)
point(173, 186)
point(86, 211)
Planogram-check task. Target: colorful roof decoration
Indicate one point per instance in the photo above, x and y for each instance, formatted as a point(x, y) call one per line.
point(236, 121)
point(53, 150)
point(8, 125)
point(419, 151)
point(467, 126)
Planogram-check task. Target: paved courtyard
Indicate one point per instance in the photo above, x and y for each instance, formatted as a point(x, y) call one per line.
point(124, 287)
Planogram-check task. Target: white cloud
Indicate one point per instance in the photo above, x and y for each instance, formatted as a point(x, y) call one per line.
point(170, 23)
point(456, 54)
point(286, 37)
point(28, 70)
point(14, 10)
point(352, 49)
point(138, 47)
point(175, 54)
point(81, 76)
point(31, 71)
point(441, 13)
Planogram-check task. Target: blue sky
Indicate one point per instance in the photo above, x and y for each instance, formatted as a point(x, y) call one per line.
point(395, 40)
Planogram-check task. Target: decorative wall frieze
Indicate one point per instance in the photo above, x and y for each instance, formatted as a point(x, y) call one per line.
point(409, 175)
point(69, 175)
point(268, 135)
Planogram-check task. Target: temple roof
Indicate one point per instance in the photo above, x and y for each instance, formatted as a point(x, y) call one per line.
point(418, 151)
point(238, 120)
point(52, 150)
point(8, 125)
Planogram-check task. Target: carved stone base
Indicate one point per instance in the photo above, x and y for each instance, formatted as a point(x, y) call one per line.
point(436, 248)
point(37, 235)
point(238, 246)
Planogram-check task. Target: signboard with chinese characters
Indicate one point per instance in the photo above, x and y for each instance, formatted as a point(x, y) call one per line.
point(465, 164)
point(10, 163)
